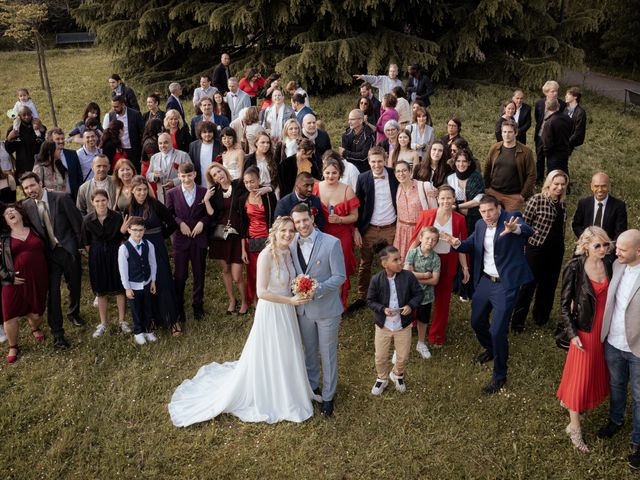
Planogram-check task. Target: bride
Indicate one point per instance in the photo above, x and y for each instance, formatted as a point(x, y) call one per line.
point(269, 383)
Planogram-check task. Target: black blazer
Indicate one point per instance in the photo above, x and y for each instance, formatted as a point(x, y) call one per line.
point(524, 123)
point(135, 127)
point(286, 204)
point(220, 78)
point(270, 203)
point(194, 154)
point(183, 138)
point(539, 113)
point(579, 127)
point(174, 104)
point(365, 191)
point(614, 221)
point(556, 134)
point(66, 220)
point(322, 143)
point(288, 171)
point(74, 172)
point(129, 95)
point(407, 288)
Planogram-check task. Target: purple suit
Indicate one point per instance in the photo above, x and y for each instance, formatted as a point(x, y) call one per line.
point(187, 249)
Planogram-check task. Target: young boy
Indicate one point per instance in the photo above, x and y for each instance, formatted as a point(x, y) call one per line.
point(393, 295)
point(137, 264)
point(425, 265)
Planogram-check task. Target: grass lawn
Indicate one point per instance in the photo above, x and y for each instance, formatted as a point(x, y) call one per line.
point(98, 410)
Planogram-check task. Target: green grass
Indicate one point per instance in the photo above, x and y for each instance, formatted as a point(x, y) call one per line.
point(98, 411)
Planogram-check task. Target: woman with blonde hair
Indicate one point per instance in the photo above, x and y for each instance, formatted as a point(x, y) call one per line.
point(585, 282)
point(546, 214)
point(288, 144)
point(175, 126)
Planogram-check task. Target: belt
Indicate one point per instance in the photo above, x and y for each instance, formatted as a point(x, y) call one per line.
point(411, 224)
point(380, 227)
point(491, 277)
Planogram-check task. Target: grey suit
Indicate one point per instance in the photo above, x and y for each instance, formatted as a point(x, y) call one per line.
point(242, 101)
point(632, 313)
point(319, 319)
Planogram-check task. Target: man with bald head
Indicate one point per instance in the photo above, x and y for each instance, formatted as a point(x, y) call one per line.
point(356, 141)
point(601, 209)
point(164, 165)
point(319, 137)
point(621, 337)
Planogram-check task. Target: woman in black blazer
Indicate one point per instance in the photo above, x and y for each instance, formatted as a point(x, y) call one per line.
point(302, 161)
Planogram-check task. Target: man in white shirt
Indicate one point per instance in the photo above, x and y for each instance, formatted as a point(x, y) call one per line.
point(236, 99)
point(384, 83)
point(87, 153)
point(621, 336)
point(204, 90)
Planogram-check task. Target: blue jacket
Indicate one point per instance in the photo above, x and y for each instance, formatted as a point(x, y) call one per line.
point(286, 203)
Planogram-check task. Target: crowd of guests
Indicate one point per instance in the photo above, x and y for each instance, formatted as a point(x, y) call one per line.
point(453, 226)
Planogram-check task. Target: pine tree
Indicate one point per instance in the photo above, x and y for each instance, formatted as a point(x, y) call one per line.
point(323, 42)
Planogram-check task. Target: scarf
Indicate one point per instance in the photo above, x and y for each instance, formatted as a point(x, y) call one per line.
point(291, 147)
point(274, 117)
point(309, 136)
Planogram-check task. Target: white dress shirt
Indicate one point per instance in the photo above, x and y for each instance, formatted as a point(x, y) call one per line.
point(206, 157)
point(189, 195)
point(123, 265)
point(66, 165)
point(350, 176)
point(125, 140)
point(617, 333)
point(443, 247)
point(383, 212)
point(306, 245)
point(394, 322)
point(516, 116)
point(489, 261)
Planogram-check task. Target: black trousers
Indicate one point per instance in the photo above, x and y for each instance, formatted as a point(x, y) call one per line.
point(545, 262)
point(63, 264)
point(140, 308)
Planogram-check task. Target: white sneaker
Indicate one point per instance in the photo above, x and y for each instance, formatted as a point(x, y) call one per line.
point(423, 350)
point(100, 329)
point(95, 302)
point(124, 326)
point(3, 337)
point(150, 337)
point(394, 358)
point(139, 338)
point(398, 381)
point(379, 386)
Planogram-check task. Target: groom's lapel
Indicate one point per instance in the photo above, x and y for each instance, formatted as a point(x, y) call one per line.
point(314, 251)
point(294, 253)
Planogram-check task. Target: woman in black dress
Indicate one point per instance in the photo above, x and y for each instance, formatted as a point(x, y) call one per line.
point(101, 237)
point(159, 224)
point(219, 201)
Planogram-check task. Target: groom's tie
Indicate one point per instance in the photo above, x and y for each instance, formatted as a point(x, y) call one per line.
point(303, 263)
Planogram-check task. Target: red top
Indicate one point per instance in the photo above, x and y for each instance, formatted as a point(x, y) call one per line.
point(257, 221)
point(428, 218)
point(174, 141)
point(246, 87)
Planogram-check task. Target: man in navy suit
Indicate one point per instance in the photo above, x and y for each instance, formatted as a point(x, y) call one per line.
point(206, 107)
point(186, 204)
point(522, 115)
point(499, 269)
point(173, 102)
point(70, 160)
point(302, 193)
point(133, 128)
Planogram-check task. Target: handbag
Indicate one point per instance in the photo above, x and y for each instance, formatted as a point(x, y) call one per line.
point(222, 232)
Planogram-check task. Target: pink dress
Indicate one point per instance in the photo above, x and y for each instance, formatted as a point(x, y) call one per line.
point(409, 208)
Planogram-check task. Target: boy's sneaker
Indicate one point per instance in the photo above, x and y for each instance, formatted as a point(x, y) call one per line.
point(398, 381)
point(150, 337)
point(95, 302)
point(124, 326)
point(139, 338)
point(394, 358)
point(3, 337)
point(100, 329)
point(379, 386)
point(423, 350)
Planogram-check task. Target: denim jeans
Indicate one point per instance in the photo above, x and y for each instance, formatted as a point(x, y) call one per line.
point(624, 367)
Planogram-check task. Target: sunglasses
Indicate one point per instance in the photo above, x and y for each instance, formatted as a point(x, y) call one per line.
point(605, 245)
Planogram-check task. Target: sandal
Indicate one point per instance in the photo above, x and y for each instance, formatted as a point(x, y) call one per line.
point(38, 335)
point(13, 358)
point(576, 439)
point(176, 330)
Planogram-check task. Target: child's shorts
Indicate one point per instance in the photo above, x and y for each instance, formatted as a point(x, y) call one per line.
point(423, 313)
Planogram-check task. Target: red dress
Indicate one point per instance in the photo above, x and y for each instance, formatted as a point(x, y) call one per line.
point(30, 297)
point(585, 379)
point(257, 229)
point(344, 233)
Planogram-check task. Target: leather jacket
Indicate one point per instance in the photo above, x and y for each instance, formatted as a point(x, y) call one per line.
point(7, 274)
point(577, 298)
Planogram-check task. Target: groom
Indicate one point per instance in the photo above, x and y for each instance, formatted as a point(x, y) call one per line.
point(320, 256)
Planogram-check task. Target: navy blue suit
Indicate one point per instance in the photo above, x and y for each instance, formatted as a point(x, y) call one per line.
point(365, 191)
point(300, 115)
point(74, 172)
point(220, 120)
point(513, 271)
point(286, 203)
point(173, 103)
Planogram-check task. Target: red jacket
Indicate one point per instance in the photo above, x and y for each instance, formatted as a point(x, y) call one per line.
point(428, 217)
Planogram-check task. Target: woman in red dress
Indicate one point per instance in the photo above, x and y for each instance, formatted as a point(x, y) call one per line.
point(24, 277)
point(585, 281)
point(453, 223)
point(340, 208)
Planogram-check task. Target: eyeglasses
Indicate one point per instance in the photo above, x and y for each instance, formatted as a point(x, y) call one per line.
point(605, 245)
point(137, 229)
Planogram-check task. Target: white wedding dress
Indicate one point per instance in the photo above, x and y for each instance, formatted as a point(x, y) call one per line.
point(268, 383)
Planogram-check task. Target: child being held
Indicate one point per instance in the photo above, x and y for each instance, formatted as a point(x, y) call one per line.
point(393, 295)
point(425, 265)
point(24, 100)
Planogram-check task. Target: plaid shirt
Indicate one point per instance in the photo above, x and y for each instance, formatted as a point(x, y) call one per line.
point(539, 214)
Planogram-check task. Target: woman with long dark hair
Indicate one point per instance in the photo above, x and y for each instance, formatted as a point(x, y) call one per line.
point(111, 143)
point(264, 159)
point(152, 131)
point(50, 169)
point(433, 167)
point(251, 84)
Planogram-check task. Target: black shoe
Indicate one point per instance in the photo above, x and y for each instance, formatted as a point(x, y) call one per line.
point(609, 430)
point(517, 329)
point(60, 343)
point(76, 320)
point(484, 357)
point(357, 305)
point(317, 392)
point(634, 459)
point(494, 386)
point(198, 312)
point(327, 408)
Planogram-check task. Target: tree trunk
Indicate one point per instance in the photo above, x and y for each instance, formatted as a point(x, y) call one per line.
point(40, 68)
point(45, 76)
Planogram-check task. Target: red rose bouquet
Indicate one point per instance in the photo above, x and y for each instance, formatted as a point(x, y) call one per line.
point(304, 286)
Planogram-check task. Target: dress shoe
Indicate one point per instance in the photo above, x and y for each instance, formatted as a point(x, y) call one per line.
point(357, 305)
point(198, 312)
point(494, 386)
point(484, 357)
point(76, 320)
point(609, 430)
point(14, 357)
point(327, 408)
point(60, 343)
point(634, 459)
point(517, 329)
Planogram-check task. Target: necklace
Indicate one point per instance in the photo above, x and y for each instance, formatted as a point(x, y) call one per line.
point(227, 194)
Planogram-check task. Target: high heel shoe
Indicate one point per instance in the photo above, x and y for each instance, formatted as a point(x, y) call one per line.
point(38, 335)
point(13, 358)
point(576, 439)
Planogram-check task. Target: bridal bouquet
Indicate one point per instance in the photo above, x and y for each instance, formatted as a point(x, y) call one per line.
point(304, 286)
